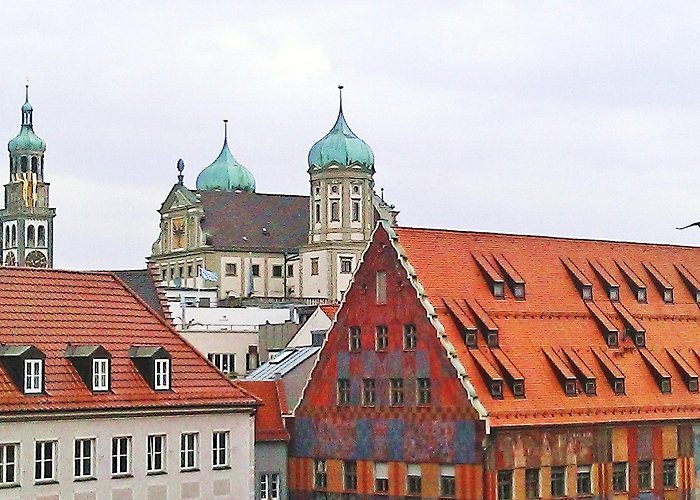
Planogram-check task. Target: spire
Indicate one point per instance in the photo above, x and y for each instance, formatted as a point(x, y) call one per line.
point(26, 107)
point(340, 92)
point(225, 132)
point(180, 168)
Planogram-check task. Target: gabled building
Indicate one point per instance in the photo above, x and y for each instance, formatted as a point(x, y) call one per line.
point(491, 366)
point(100, 398)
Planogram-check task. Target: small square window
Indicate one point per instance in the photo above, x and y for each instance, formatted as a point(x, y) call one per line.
point(668, 296)
point(231, 269)
point(519, 291)
point(693, 384)
point(619, 387)
point(470, 339)
point(382, 338)
point(497, 389)
point(570, 388)
point(639, 339)
point(255, 270)
point(498, 289)
point(614, 293)
point(492, 339)
point(518, 389)
point(277, 271)
point(162, 374)
point(587, 293)
point(665, 386)
point(346, 265)
point(611, 340)
point(590, 387)
point(641, 295)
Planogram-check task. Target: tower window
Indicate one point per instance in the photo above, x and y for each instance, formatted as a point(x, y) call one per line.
point(317, 213)
point(24, 164)
point(14, 236)
point(355, 211)
point(255, 271)
point(290, 270)
point(7, 236)
point(314, 266)
point(35, 165)
point(30, 235)
point(231, 269)
point(41, 236)
point(335, 211)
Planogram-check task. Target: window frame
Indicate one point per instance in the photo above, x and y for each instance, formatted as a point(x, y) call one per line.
point(269, 486)
point(369, 392)
point(33, 379)
point(504, 484)
point(350, 475)
point(409, 337)
point(121, 451)
point(423, 392)
point(558, 481)
point(161, 378)
point(9, 465)
point(189, 451)
point(100, 373)
point(80, 459)
point(231, 269)
point(41, 460)
point(531, 482)
point(396, 392)
point(220, 450)
point(616, 488)
point(448, 484)
point(381, 477)
point(354, 338)
point(320, 474)
point(381, 339)
point(584, 477)
point(153, 455)
point(645, 475)
point(277, 271)
point(314, 266)
point(343, 386)
point(665, 473)
point(346, 265)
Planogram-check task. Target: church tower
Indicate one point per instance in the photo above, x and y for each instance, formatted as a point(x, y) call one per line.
point(27, 220)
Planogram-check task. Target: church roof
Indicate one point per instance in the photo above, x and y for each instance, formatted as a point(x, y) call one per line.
point(255, 221)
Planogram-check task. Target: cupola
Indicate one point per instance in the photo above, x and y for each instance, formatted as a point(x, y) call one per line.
point(341, 147)
point(225, 173)
point(27, 140)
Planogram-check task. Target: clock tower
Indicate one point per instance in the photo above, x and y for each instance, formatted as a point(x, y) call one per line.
point(26, 221)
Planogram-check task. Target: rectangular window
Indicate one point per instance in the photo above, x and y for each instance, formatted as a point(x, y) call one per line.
point(346, 265)
point(45, 461)
point(189, 451)
point(8, 464)
point(277, 271)
point(448, 487)
point(532, 483)
point(335, 211)
point(225, 362)
point(317, 212)
point(231, 269)
point(583, 480)
point(189, 271)
point(343, 391)
point(558, 481)
point(83, 453)
point(252, 359)
point(314, 266)
point(355, 211)
point(382, 341)
point(269, 487)
point(409, 337)
point(619, 478)
point(162, 374)
point(350, 475)
point(645, 475)
point(121, 456)
point(381, 287)
point(504, 485)
point(219, 447)
point(33, 376)
point(368, 392)
point(156, 454)
point(100, 374)
point(290, 270)
point(354, 341)
point(423, 391)
point(381, 477)
point(396, 391)
point(669, 473)
point(255, 271)
point(320, 474)
point(413, 480)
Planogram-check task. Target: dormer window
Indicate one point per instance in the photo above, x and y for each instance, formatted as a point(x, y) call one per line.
point(668, 296)
point(642, 295)
point(153, 362)
point(92, 362)
point(33, 376)
point(498, 290)
point(162, 374)
point(614, 293)
point(25, 366)
point(100, 374)
point(587, 292)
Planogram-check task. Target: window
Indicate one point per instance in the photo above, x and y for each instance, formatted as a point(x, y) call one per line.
point(668, 296)
point(45, 461)
point(350, 475)
point(84, 450)
point(645, 475)
point(162, 374)
point(614, 293)
point(448, 488)
point(532, 483)
point(354, 338)
point(423, 391)
point(669, 473)
point(277, 271)
point(156, 454)
point(504, 485)
point(33, 376)
point(583, 480)
point(320, 474)
point(30, 236)
point(41, 236)
point(121, 460)
point(252, 358)
point(413, 479)
point(8, 464)
point(355, 211)
point(381, 477)
point(100, 374)
point(368, 394)
point(189, 450)
point(382, 338)
point(558, 481)
point(314, 266)
point(343, 391)
point(641, 295)
point(409, 337)
point(317, 212)
point(335, 211)
point(290, 270)
point(255, 270)
point(219, 449)
point(619, 477)
point(346, 265)
point(269, 487)
point(396, 391)
point(231, 269)
point(226, 362)
point(189, 271)
point(381, 287)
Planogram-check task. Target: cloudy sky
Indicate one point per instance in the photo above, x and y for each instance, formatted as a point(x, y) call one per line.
point(576, 119)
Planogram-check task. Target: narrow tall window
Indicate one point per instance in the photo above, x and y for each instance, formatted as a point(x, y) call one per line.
point(314, 266)
point(355, 211)
point(350, 475)
point(320, 474)
point(368, 392)
point(45, 461)
point(669, 473)
point(583, 480)
point(30, 235)
point(645, 475)
point(100, 374)
point(504, 485)
point(162, 374)
point(317, 212)
point(532, 483)
point(8, 464)
point(619, 478)
point(269, 487)
point(83, 458)
point(189, 450)
point(354, 341)
point(41, 236)
point(423, 391)
point(155, 454)
point(448, 487)
point(382, 341)
point(343, 391)
point(409, 337)
point(413, 480)
point(396, 391)
point(558, 481)
point(33, 376)
point(255, 270)
point(121, 456)
point(381, 287)
point(381, 477)
point(335, 211)
point(220, 445)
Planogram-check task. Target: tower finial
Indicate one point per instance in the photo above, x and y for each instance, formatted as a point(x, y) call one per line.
point(340, 91)
point(180, 168)
point(26, 90)
point(225, 131)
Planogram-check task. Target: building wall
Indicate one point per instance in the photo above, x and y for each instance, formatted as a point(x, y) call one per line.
point(317, 321)
point(234, 482)
point(271, 457)
point(295, 380)
point(224, 342)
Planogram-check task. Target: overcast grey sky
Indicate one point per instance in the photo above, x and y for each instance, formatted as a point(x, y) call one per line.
point(573, 119)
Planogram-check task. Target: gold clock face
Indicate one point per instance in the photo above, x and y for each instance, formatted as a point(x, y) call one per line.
point(10, 259)
point(178, 233)
point(35, 259)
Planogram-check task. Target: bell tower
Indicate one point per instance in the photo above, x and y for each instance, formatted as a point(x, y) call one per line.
point(26, 221)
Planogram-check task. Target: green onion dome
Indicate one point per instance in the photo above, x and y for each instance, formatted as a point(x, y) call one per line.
point(27, 140)
point(225, 173)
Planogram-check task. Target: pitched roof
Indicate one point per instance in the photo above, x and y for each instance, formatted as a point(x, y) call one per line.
point(540, 334)
point(283, 363)
point(255, 221)
point(140, 281)
point(329, 310)
point(52, 309)
point(269, 425)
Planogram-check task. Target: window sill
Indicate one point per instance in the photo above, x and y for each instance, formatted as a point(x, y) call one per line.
point(41, 482)
point(190, 469)
point(221, 467)
point(156, 473)
point(9, 485)
point(83, 479)
point(125, 475)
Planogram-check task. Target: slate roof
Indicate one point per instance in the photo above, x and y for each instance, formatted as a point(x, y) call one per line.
point(141, 283)
point(236, 219)
point(269, 425)
point(51, 309)
point(554, 335)
point(283, 363)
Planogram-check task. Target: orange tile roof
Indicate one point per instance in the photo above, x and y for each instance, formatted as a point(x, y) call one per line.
point(554, 315)
point(330, 310)
point(268, 418)
point(51, 309)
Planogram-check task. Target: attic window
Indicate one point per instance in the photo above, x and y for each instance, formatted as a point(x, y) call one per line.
point(612, 288)
point(486, 324)
point(491, 376)
point(513, 375)
point(25, 366)
point(33, 376)
point(662, 376)
point(100, 374)
point(580, 280)
point(606, 326)
point(491, 275)
point(619, 387)
point(633, 328)
point(162, 374)
point(614, 293)
point(466, 326)
point(563, 373)
point(92, 362)
point(153, 362)
point(612, 372)
point(662, 284)
point(691, 282)
point(634, 281)
point(690, 376)
point(513, 278)
point(582, 371)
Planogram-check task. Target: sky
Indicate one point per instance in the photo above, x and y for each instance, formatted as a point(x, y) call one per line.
point(575, 119)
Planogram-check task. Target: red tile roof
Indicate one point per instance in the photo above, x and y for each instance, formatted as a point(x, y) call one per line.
point(330, 310)
point(51, 309)
point(268, 418)
point(554, 318)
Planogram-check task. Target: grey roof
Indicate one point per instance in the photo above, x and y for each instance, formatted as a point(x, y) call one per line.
point(284, 362)
point(141, 283)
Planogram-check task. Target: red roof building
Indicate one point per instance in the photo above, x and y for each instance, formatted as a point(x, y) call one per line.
point(477, 365)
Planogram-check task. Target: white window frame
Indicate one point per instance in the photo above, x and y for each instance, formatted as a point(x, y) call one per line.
point(123, 450)
point(189, 451)
point(154, 455)
point(100, 374)
point(8, 464)
point(81, 459)
point(220, 449)
point(270, 486)
point(161, 374)
point(225, 362)
point(33, 376)
point(42, 458)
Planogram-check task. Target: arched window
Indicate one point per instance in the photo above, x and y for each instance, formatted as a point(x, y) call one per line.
point(30, 235)
point(35, 165)
point(14, 235)
point(41, 236)
point(7, 236)
point(335, 211)
point(24, 164)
